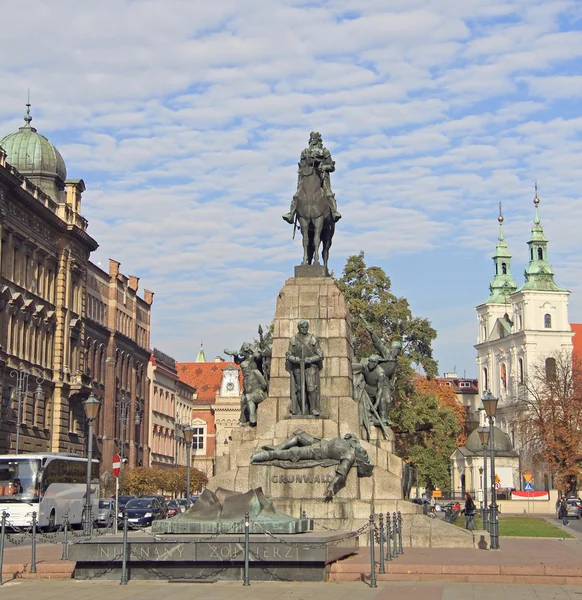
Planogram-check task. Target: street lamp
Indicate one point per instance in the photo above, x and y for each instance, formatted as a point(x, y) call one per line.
point(91, 406)
point(188, 436)
point(490, 406)
point(484, 439)
point(124, 406)
point(22, 381)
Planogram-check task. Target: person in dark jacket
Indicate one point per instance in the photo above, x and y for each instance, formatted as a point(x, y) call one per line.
point(469, 511)
point(563, 512)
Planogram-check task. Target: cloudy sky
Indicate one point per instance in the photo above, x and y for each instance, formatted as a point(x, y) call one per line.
point(186, 120)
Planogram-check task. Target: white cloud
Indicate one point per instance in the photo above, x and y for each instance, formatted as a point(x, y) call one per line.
point(186, 121)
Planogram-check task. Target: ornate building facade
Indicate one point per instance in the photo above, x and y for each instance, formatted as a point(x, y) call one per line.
point(172, 404)
point(44, 256)
point(66, 327)
point(520, 328)
point(118, 353)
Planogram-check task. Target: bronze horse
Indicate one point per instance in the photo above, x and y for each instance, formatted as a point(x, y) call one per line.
point(314, 214)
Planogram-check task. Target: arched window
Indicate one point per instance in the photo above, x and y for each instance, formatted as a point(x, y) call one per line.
point(485, 379)
point(521, 370)
point(550, 369)
point(503, 268)
point(540, 254)
point(504, 376)
point(548, 321)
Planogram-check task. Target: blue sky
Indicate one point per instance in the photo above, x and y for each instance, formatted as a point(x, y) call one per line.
point(186, 120)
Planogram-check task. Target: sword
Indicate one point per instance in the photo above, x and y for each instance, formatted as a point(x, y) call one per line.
point(294, 226)
point(302, 379)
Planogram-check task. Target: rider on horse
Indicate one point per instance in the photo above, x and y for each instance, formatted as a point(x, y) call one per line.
point(318, 157)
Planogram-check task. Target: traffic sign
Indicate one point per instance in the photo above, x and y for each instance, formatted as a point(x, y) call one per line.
point(498, 485)
point(528, 487)
point(116, 465)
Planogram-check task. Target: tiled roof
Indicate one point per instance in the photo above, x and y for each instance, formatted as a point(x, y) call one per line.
point(206, 377)
point(577, 340)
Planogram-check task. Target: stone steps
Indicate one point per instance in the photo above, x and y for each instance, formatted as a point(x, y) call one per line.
point(534, 575)
point(62, 569)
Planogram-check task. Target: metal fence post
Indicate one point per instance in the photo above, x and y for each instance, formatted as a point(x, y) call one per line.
point(372, 554)
point(33, 558)
point(394, 536)
point(247, 550)
point(2, 535)
point(65, 555)
point(124, 552)
point(400, 549)
point(388, 540)
point(381, 543)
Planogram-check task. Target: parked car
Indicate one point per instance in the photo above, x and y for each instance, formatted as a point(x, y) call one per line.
point(141, 512)
point(122, 501)
point(574, 508)
point(173, 508)
point(162, 502)
point(183, 503)
point(106, 512)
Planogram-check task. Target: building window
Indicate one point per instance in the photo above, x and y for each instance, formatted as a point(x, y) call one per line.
point(503, 268)
point(198, 438)
point(521, 370)
point(540, 254)
point(485, 379)
point(548, 321)
point(465, 384)
point(504, 376)
point(550, 369)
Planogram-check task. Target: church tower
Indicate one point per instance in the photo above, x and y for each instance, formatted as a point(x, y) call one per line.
point(520, 328)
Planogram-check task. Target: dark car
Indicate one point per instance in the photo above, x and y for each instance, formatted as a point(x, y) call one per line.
point(162, 502)
point(122, 501)
point(141, 512)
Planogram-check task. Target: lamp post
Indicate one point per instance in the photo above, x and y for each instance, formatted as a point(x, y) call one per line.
point(124, 406)
point(490, 405)
point(91, 406)
point(484, 438)
point(22, 382)
point(188, 436)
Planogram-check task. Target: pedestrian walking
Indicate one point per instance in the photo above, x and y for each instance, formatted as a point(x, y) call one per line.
point(469, 511)
point(563, 512)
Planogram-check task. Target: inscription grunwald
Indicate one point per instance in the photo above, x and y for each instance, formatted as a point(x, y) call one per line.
point(302, 478)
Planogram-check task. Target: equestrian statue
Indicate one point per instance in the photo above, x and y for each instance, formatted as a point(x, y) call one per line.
point(314, 206)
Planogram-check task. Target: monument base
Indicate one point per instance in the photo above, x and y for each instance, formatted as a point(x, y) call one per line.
point(302, 557)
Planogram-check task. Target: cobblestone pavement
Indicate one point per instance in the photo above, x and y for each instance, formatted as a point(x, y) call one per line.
point(233, 590)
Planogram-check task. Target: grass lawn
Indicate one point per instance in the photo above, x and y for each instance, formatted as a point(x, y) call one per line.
point(521, 527)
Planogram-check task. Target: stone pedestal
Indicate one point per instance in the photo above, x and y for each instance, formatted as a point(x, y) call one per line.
point(313, 296)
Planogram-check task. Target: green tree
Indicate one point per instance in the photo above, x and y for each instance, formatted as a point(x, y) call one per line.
point(367, 291)
point(427, 428)
point(424, 419)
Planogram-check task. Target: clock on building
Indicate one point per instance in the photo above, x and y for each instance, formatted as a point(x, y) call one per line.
point(230, 382)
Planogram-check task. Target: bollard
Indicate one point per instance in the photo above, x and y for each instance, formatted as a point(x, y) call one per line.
point(388, 540)
point(65, 555)
point(381, 543)
point(2, 536)
point(124, 551)
point(372, 554)
point(247, 550)
point(394, 536)
point(400, 549)
point(33, 558)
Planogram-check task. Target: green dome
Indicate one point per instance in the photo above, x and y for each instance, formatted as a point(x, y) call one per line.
point(35, 157)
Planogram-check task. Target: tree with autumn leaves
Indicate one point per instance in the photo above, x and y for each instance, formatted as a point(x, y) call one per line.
point(551, 420)
point(426, 418)
point(142, 481)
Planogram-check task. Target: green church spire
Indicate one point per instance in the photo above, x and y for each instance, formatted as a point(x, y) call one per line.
point(502, 284)
point(539, 274)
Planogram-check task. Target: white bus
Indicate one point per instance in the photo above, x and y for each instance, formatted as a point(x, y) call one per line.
point(50, 484)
